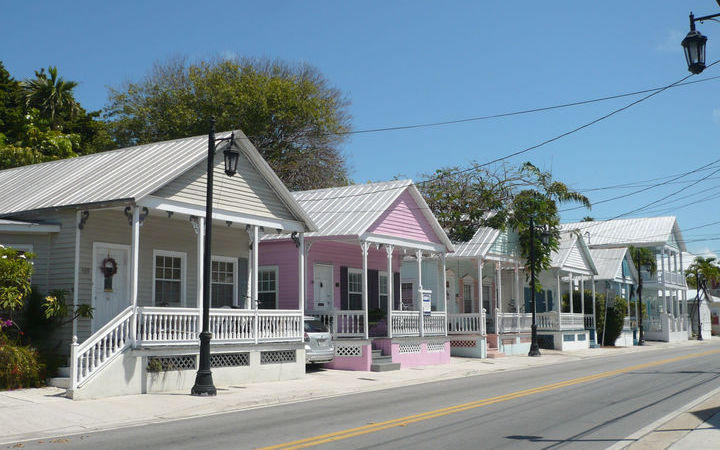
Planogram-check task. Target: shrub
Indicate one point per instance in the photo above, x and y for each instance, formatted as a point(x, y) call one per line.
point(19, 365)
point(609, 331)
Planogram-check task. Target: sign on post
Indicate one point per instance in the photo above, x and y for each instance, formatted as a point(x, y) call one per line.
point(426, 300)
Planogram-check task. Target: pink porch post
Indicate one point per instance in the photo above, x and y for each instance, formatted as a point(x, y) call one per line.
point(365, 246)
point(391, 282)
point(301, 273)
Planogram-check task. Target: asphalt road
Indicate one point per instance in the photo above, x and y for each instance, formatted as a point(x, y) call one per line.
point(592, 403)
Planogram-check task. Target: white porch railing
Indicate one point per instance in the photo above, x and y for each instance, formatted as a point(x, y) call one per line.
point(278, 325)
point(567, 321)
point(515, 322)
point(159, 325)
point(589, 322)
point(434, 323)
point(97, 351)
point(466, 323)
point(405, 323)
point(547, 320)
point(670, 277)
point(342, 323)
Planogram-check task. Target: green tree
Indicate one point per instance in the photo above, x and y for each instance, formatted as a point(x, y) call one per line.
point(15, 271)
point(643, 257)
point(707, 268)
point(51, 95)
point(291, 113)
point(11, 111)
point(540, 204)
point(463, 201)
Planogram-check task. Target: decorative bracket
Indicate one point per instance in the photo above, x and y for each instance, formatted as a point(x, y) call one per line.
point(365, 246)
point(128, 213)
point(389, 249)
point(83, 219)
point(195, 222)
point(295, 238)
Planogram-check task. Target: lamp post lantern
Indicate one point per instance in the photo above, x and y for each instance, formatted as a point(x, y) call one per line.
point(694, 44)
point(203, 380)
point(545, 238)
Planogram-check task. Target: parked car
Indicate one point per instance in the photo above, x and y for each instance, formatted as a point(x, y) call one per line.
point(319, 346)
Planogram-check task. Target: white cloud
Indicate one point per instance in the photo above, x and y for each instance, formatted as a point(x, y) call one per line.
point(671, 44)
point(705, 252)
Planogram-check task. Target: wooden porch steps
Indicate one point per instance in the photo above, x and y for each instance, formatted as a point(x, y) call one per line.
point(382, 363)
point(62, 380)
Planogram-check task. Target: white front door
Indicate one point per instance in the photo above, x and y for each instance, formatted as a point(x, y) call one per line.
point(323, 287)
point(451, 291)
point(111, 287)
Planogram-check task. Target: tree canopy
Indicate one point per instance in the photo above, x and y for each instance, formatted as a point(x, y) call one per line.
point(706, 268)
point(291, 113)
point(40, 120)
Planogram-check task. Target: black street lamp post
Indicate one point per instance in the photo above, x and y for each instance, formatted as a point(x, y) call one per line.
point(694, 44)
point(203, 380)
point(698, 281)
point(545, 236)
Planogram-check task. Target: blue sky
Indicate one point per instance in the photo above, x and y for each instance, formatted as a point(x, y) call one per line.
point(408, 62)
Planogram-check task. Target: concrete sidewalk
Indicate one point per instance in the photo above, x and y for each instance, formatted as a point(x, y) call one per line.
point(40, 413)
point(693, 427)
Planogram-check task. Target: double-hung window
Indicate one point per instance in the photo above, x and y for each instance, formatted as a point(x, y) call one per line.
point(383, 290)
point(224, 282)
point(355, 289)
point(467, 296)
point(267, 287)
point(169, 271)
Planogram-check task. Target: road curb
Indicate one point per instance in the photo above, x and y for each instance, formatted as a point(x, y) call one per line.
point(641, 433)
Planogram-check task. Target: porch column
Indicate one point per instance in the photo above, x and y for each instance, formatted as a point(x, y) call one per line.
point(76, 282)
point(443, 289)
point(135, 241)
point(418, 255)
point(200, 252)
point(662, 285)
point(582, 297)
point(301, 272)
point(480, 284)
point(572, 289)
point(391, 281)
point(517, 288)
point(558, 300)
point(249, 290)
point(592, 280)
point(365, 246)
point(254, 286)
point(498, 275)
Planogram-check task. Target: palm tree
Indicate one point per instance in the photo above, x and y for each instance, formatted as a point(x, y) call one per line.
point(708, 269)
point(50, 95)
point(643, 258)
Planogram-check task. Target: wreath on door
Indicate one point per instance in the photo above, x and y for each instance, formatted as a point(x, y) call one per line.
point(109, 267)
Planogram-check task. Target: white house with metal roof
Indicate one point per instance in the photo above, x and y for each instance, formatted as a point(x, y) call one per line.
point(617, 277)
point(664, 293)
point(565, 313)
point(364, 231)
point(123, 231)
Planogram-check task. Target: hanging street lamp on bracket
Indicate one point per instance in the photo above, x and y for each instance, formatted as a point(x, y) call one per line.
point(694, 44)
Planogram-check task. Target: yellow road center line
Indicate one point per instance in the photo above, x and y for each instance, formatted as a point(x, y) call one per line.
point(403, 421)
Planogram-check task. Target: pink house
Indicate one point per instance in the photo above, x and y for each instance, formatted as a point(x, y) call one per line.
point(352, 274)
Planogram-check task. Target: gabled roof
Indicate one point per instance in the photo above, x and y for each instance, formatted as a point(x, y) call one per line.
point(478, 246)
point(352, 210)
point(608, 262)
point(569, 242)
point(122, 175)
point(639, 232)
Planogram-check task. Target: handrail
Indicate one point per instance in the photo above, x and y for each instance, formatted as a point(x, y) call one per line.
point(96, 352)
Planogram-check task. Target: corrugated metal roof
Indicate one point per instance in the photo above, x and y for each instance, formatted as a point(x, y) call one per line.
point(351, 210)
point(478, 245)
point(642, 231)
point(119, 175)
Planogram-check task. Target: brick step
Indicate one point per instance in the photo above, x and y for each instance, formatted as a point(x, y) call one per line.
point(384, 367)
point(495, 353)
point(381, 359)
point(60, 382)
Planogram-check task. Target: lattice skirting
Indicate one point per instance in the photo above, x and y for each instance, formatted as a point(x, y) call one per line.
point(351, 351)
point(230, 359)
point(409, 348)
point(277, 357)
point(175, 362)
point(463, 344)
point(435, 347)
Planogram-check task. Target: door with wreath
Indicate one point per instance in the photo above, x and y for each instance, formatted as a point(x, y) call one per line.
point(111, 282)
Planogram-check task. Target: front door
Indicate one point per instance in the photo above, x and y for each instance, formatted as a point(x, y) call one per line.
point(323, 287)
point(111, 290)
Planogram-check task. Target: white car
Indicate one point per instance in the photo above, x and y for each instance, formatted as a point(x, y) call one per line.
point(319, 346)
